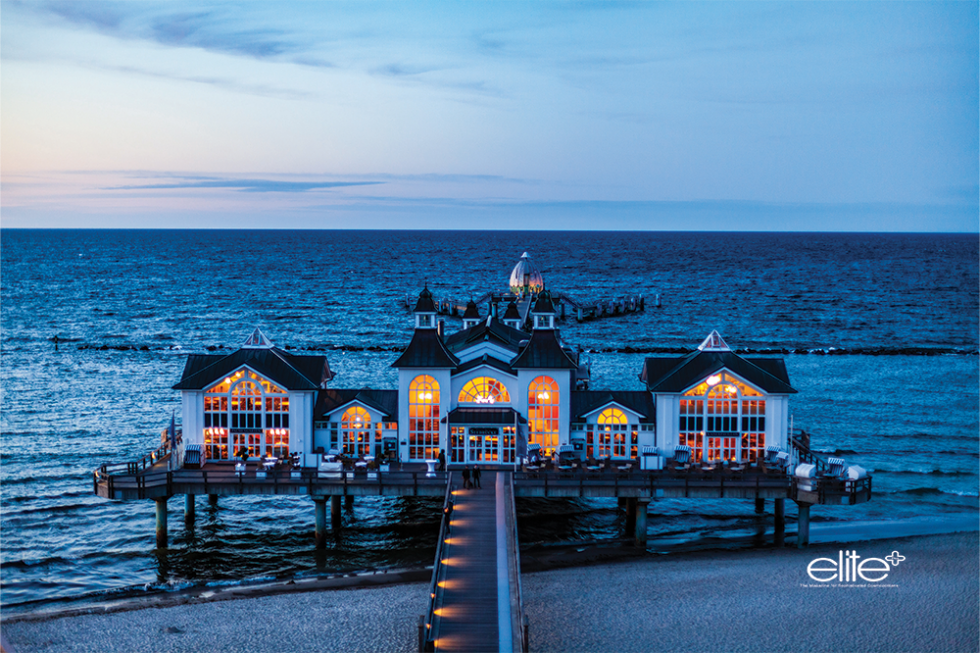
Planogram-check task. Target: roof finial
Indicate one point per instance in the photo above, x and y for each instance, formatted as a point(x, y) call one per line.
point(714, 342)
point(257, 340)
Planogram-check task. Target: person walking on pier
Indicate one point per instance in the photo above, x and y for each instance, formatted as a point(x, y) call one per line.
point(442, 461)
point(476, 476)
point(466, 478)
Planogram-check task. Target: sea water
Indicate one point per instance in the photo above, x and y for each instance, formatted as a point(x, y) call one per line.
point(879, 334)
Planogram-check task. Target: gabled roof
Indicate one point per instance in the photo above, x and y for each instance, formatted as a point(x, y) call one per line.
point(511, 313)
point(638, 401)
point(544, 351)
point(767, 374)
point(505, 416)
point(484, 360)
point(426, 350)
point(472, 312)
point(491, 330)
point(292, 372)
point(544, 303)
point(383, 401)
point(425, 303)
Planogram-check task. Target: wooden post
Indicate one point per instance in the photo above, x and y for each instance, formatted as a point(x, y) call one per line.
point(803, 525)
point(335, 512)
point(630, 514)
point(760, 506)
point(780, 526)
point(161, 505)
point(213, 500)
point(320, 509)
point(349, 502)
point(190, 506)
point(641, 521)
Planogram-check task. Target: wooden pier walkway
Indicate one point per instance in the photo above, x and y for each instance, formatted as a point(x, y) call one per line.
point(476, 602)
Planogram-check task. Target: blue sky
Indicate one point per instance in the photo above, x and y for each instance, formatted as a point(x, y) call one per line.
point(732, 116)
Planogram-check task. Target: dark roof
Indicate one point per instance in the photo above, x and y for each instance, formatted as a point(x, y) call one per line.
point(426, 350)
point(292, 372)
point(544, 351)
point(384, 401)
point(511, 313)
point(472, 312)
point(484, 360)
point(767, 374)
point(491, 330)
point(425, 303)
point(503, 416)
point(639, 401)
point(544, 303)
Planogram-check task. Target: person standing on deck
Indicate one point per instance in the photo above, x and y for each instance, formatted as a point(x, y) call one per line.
point(476, 476)
point(466, 478)
point(442, 461)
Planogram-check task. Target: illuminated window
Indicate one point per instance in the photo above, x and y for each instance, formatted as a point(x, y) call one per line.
point(484, 390)
point(423, 418)
point(356, 430)
point(247, 412)
point(542, 413)
point(722, 418)
point(611, 436)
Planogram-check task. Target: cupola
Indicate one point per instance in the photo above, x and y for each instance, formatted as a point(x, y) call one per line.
point(543, 312)
point(425, 310)
point(471, 317)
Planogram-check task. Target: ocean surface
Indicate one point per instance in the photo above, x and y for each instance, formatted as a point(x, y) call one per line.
point(879, 333)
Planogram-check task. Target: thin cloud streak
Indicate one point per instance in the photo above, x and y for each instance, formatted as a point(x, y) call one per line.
point(251, 185)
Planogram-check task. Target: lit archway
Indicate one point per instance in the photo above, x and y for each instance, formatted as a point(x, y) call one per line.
point(543, 413)
point(423, 418)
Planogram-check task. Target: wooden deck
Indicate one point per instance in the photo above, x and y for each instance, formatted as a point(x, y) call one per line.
point(476, 603)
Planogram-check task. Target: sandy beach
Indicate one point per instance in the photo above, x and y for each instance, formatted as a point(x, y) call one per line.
point(756, 600)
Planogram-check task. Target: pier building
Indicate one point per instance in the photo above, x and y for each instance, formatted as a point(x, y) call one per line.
point(507, 393)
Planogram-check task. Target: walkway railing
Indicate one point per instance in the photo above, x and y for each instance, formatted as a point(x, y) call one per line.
point(427, 636)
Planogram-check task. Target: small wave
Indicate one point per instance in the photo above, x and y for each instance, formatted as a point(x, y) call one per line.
point(935, 472)
point(27, 564)
point(932, 491)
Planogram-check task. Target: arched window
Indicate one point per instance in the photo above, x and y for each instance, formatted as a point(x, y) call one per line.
point(251, 412)
point(484, 390)
point(423, 418)
point(356, 431)
point(542, 413)
point(722, 418)
point(612, 433)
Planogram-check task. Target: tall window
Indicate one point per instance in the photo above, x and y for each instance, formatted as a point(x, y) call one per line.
point(423, 418)
point(722, 418)
point(542, 413)
point(484, 390)
point(356, 427)
point(612, 433)
point(245, 412)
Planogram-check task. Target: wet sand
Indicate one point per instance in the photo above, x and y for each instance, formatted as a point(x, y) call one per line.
point(756, 600)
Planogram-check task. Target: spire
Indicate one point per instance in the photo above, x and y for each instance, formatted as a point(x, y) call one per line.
point(544, 311)
point(714, 342)
point(425, 310)
point(257, 341)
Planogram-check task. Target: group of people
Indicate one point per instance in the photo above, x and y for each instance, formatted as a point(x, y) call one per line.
point(471, 476)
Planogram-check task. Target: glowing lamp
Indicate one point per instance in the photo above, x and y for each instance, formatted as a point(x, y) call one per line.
point(714, 379)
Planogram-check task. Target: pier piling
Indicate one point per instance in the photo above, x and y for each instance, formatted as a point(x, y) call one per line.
point(779, 509)
point(161, 506)
point(349, 502)
point(320, 509)
point(641, 521)
point(803, 525)
point(190, 507)
point(760, 506)
point(213, 500)
point(335, 512)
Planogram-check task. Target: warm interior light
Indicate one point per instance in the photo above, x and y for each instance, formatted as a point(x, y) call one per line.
point(714, 379)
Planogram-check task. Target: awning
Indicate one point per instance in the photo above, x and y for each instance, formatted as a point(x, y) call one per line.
point(466, 416)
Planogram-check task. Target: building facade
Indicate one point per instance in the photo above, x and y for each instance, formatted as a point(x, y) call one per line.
point(482, 395)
